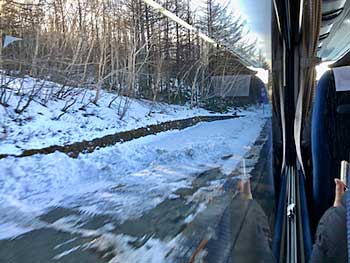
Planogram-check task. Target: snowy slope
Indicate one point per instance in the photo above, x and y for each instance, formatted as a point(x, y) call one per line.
point(124, 180)
point(38, 126)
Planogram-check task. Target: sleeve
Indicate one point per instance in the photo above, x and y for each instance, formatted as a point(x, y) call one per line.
point(320, 248)
point(330, 241)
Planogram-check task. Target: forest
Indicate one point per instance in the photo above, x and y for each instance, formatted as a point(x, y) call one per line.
point(121, 46)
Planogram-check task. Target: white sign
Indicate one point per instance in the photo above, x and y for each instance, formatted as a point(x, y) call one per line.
point(231, 86)
point(9, 40)
point(342, 78)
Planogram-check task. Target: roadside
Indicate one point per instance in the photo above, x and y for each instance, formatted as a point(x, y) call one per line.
point(116, 188)
point(36, 114)
point(74, 149)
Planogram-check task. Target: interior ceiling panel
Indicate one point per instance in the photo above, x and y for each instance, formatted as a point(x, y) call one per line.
point(335, 37)
point(332, 6)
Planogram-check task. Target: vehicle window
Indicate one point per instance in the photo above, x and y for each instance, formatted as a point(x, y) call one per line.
point(135, 131)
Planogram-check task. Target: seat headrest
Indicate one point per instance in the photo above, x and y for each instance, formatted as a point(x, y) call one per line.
point(342, 78)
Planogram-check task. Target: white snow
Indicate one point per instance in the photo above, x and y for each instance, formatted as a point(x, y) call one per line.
point(123, 180)
point(154, 250)
point(38, 127)
point(200, 209)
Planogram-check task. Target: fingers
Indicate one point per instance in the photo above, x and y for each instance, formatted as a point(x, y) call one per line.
point(245, 189)
point(339, 192)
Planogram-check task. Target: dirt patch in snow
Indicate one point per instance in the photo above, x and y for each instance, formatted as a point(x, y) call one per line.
point(73, 150)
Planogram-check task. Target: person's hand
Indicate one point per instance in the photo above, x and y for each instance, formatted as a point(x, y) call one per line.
point(245, 189)
point(339, 192)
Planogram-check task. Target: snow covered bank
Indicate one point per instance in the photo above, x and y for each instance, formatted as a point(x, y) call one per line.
point(76, 148)
point(50, 119)
point(123, 180)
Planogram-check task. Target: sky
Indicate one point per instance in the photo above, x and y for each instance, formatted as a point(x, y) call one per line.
point(258, 15)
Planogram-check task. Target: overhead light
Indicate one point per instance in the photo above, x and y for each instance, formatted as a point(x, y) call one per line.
point(172, 16)
point(206, 38)
point(322, 68)
point(178, 20)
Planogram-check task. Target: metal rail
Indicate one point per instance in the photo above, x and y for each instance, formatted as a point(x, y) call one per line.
point(291, 222)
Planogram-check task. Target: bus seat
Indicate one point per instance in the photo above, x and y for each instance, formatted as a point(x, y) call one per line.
point(330, 135)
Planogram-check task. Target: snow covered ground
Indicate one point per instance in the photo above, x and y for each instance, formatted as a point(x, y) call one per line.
point(123, 180)
point(42, 123)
